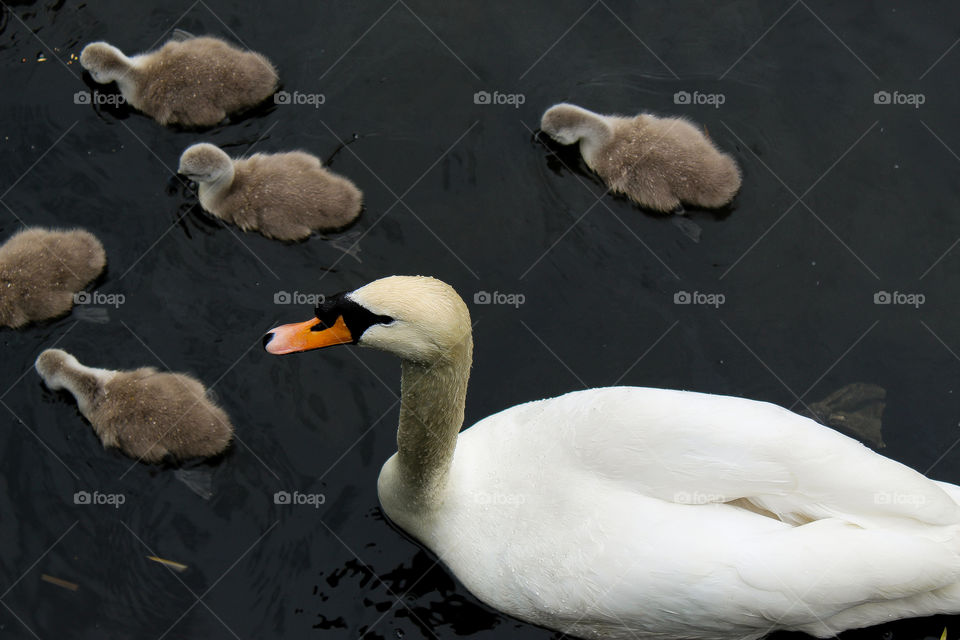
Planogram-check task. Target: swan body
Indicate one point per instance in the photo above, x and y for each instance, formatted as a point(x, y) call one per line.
point(612, 513)
point(285, 196)
point(629, 512)
point(42, 269)
point(658, 163)
point(147, 414)
point(195, 82)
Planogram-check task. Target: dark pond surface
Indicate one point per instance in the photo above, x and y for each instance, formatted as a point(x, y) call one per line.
point(488, 208)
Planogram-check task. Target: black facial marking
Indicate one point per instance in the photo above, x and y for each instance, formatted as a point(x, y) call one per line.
point(357, 318)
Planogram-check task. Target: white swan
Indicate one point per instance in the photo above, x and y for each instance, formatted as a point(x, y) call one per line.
point(630, 512)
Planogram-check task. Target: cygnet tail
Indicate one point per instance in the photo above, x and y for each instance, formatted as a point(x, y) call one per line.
point(721, 184)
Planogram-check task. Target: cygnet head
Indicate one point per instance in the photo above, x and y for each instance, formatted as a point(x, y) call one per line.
point(568, 123)
point(104, 61)
point(52, 364)
point(204, 162)
point(417, 318)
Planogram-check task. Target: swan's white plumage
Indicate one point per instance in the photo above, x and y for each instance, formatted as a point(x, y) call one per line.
point(612, 502)
point(632, 513)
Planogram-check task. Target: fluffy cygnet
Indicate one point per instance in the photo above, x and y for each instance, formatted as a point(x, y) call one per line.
point(146, 414)
point(195, 82)
point(42, 269)
point(285, 196)
point(656, 162)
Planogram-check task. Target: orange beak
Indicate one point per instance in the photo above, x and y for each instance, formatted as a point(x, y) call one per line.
point(301, 336)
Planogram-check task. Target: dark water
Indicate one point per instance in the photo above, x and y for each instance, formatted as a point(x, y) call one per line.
point(485, 207)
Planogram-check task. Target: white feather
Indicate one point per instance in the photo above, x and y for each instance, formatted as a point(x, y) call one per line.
point(607, 513)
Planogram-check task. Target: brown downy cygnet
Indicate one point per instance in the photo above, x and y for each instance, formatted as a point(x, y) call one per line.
point(195, 82)
point(657, 162)
point(285, 196)
point(42, 269)
point(145, 413)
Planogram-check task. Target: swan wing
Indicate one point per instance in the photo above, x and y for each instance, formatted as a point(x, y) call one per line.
point(695, 448)
point(620, 511)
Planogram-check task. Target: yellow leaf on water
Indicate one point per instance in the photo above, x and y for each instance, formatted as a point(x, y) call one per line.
point(73, 586)
point(176, 566)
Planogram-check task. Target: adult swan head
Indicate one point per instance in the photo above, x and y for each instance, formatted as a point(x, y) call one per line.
point(626, 512)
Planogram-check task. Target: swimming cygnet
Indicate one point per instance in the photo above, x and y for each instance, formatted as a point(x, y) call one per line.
point(656, 162)
point(195, 82)
point(42, 269)
point(285, 196)
point(145, 413)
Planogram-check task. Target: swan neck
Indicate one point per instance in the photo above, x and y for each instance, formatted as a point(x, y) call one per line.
point(433, 397)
